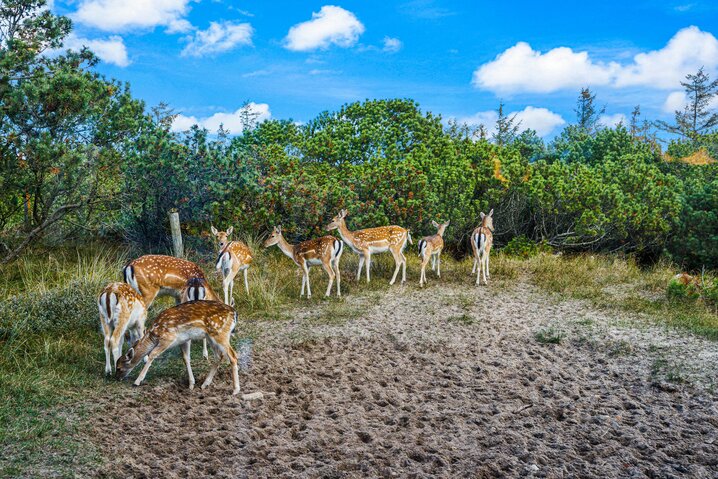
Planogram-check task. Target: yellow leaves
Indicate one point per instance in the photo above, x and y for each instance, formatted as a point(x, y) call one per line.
point(497, 172)
point(699, 158)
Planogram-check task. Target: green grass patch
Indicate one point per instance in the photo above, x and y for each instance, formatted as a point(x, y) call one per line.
point(549, 336)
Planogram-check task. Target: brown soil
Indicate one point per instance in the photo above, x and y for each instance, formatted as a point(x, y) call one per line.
point(446, 382)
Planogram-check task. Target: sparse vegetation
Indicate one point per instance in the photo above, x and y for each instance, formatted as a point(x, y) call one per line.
point(549, 335)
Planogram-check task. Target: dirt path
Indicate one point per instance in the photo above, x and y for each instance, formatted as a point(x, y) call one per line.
point(449, 382)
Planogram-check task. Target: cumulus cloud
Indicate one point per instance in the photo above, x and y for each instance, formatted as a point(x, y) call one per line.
point(392, 45)
point(122, 15)
point(678, 100)
point(110, 50)
point(612, 121)
point(218, 38)
point(542, 120)
point(523, 69)
point(332, 25)
point(231, 121)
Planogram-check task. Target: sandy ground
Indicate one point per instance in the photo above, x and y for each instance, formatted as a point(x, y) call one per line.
point(445, 382)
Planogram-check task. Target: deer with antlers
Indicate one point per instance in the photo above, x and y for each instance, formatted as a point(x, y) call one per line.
point(156, 275)
point(178, 326)
point(482, 238)
point(430, 247)
point(374, 240)
point(325, 251)
point(234, 256)
point(122, 315)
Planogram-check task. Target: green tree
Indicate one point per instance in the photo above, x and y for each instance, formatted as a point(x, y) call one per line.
point(587, 113)
point(696, 118)
point(506, 127)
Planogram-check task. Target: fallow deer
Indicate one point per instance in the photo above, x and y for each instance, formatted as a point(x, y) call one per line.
point(430, 247)
point(155, 275)
point(178, 326)
point(234, 256)
point(374, 240)
point(482, 239)
point(325, 251)
point(122, 312)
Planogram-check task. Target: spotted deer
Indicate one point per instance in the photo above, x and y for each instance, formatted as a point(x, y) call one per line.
point(374, 240)
point(156, 275)
point(234, 256)
point(430, 247)
point(122, 315)
point(325, 251)
point(482, 239)
point(178, 326)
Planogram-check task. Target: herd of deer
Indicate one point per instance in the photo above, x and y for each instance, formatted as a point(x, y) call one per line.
point(201, 314)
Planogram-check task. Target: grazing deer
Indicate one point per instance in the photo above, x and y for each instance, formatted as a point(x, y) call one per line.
point(155, 275)
point(234, 256)
point(178, 326)
point(325, 251)
point(482, 239)
point(374, 240)
point(430, 247)
point(122, 312)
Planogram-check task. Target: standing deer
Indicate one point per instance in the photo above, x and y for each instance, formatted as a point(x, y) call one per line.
point(482, 239)
point(122, 312)
point(234, 256)
point(374, 240)
point(178, 326)
point(430, 247)
point(325, 251)
point(155, 275)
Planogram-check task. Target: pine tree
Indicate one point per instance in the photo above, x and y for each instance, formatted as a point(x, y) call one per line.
point(696, 118)
point(506, 127)
point(586, 112)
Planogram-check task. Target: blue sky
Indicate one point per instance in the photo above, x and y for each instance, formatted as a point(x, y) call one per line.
point(295, 59)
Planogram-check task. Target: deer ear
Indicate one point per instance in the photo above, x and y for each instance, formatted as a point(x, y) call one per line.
point(482, 215)
point(491, 213)
point(229, 230)
point(435, 224)
point(278, 229)
point(447, 223)
point(214, 230)
point(131, 353)
point(344, 213)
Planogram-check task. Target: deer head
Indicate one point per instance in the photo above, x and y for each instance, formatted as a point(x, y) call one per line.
point(274, 237)
point(222, 236)
point(487, 221)
point(337, 221)
point(440, 228)
point(126, 363)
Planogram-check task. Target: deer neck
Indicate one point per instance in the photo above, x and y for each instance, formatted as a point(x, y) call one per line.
point(346, 235)
point(286, 248)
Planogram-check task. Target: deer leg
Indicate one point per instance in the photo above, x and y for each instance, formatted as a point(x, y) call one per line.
point(186, 347)
point(361, 263)
point(368, 265)
point(403, 267)
point(433, 263)
point(438, 264)
point(306, 274)
point(232, 356)
point(422, 275)
point(330, 272)
point(397, 261)
point(218, 355)
point(108, 365)
point(488, 256)
point(246, 284)
point(159, 349)
point(478, 273)
point(339, 276)
point(304, 280)
point(205, 353)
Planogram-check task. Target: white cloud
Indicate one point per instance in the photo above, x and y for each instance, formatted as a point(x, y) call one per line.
point(688, 50)
point(332, 25)
point(230, 121)
point(523, 69)
point(542, 120)
point(392, 45)
point(678, 100)
point(611, 121)
point(122, 15)
point(111, 50)
point(218, 38)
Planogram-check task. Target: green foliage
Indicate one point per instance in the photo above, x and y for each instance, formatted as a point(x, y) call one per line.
point(678, 290)
point(522, 247)
point(549, 335)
